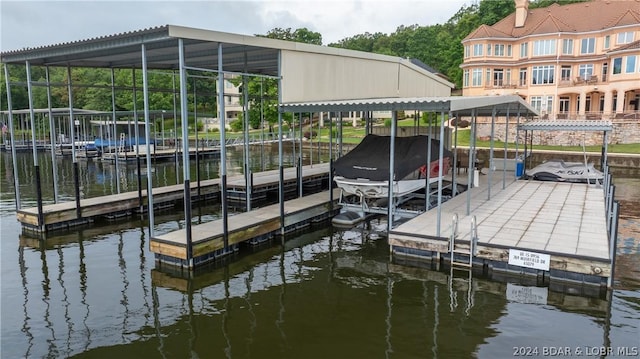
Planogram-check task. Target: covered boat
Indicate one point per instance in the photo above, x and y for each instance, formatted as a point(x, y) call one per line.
point(561, 171)
point(364, 171)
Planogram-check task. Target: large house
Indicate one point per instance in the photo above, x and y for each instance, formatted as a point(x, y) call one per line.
point(577, 61)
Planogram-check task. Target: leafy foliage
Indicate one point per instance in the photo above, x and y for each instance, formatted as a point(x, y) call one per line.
point(299, 35)
point(436, 45)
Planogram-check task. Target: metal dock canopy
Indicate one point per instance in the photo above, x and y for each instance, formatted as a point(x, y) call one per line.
point(570, 125)
point(458, 105)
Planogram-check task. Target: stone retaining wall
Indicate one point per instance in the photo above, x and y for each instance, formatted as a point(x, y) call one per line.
point(624, 132)
point(621, 160)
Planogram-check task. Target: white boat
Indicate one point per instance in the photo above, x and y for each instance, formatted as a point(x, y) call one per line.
point(364, 171)
point(378, 189)
point(363, 177)
point(561, 171)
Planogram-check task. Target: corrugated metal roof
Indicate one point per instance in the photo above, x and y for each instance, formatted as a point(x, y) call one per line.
point(567, 125)
point(461, 105)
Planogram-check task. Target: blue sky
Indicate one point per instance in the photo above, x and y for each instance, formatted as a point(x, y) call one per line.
point(28, 23)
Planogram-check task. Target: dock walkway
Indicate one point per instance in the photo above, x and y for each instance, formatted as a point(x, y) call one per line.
point(258, 224)
point(565, 221)
point(65, 214)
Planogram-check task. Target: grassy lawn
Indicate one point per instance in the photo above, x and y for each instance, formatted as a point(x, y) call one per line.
point(464, 137)
point(353, 135)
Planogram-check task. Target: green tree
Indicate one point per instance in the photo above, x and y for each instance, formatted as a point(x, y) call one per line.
point(299, 35)
point(363, 42)
point(492, 11)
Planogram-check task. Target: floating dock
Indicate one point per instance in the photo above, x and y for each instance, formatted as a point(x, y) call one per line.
point(256, 226)
point(157, 154)
point(67, 214)
point(551, 230)
point(265, 184)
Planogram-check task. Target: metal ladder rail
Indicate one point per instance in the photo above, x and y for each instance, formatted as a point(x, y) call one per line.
point(454, 233)
point(473, 243)
point(122, 142)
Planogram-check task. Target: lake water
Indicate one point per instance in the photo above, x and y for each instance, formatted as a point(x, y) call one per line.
point(96, 292)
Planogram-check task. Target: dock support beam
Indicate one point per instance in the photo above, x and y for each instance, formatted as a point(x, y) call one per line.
point(147, 133)
point(223, 153)
point(16, 181)
point(280, 159)
point(440, 168)
point(34, 147)
point(392, 155)
point(52, 135)
point(185, 151)
point(247, 166)
point(72, 127)
point(506, 141)
point(115, 134)
point(472, 159)
point(136, 135)
point(330, 160)
point(493, 132)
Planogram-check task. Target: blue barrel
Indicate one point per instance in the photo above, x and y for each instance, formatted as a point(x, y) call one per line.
point(519, 168)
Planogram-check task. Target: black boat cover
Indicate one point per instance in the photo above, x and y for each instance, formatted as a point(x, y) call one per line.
point(370, 158)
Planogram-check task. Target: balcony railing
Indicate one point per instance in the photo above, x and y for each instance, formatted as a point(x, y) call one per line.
point(504, 85)
point(586, 80)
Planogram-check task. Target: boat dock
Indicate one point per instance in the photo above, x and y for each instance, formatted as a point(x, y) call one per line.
point(158, 154)
point(265, 184)
point(255, 226)
point(68, 214)
point(551, 230)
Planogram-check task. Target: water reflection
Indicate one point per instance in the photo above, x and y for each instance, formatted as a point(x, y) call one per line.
point(98, 178)
point(322, 287)
point(26, 329)
point(96, 292)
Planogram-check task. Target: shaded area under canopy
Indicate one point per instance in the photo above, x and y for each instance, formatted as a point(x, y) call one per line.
point(370, 159)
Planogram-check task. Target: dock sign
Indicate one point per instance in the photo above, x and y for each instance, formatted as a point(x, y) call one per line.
point(529, 259)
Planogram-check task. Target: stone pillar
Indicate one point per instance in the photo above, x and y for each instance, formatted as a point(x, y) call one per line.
point(582, 104)
point(608, 104)
point(620, 102)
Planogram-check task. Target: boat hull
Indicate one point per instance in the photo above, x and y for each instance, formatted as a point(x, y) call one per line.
point(378, 189)
point(561, 171)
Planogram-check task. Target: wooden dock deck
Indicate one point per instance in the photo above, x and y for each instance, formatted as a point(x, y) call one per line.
point(258, 224)
point(315, 178)
point(65, 214)
point(551, 229)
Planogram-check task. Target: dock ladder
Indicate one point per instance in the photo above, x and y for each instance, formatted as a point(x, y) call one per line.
point(122, 142)
point(469, 250)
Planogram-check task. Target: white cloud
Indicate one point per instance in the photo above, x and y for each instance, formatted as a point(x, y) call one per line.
point(40, 23)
